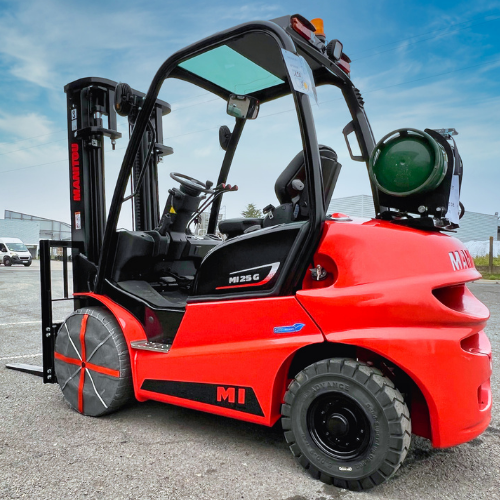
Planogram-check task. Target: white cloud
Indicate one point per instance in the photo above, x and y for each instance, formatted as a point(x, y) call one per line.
point(51, 42)
point(247, 12)
point(43, 42)
point(23, 126)
point(42, 190)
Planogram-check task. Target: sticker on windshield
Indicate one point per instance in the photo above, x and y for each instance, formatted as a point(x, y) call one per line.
point(300, 74)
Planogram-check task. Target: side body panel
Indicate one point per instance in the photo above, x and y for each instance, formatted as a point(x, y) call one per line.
point(381, 298)
point(224, 350)
point(229, 358)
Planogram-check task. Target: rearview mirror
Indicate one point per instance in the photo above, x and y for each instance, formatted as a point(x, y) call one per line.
point(224, 137)
point(243, 106)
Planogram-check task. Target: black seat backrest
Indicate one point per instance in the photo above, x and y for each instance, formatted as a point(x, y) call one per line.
point(285, 191)
point(294, 203)
point(330, 168)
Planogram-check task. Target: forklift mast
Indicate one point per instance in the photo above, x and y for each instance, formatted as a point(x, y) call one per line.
point(89, 100)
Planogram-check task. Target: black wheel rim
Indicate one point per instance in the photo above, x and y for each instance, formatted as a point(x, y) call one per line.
point(339, 426)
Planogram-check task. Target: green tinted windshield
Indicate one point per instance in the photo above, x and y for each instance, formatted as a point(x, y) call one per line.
point(230, 70)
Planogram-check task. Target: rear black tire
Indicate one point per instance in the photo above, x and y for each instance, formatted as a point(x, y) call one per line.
point(102, 382)
point(7, 262)
point(346, 423)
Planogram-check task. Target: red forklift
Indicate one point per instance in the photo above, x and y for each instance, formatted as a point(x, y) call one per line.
point(356, 333)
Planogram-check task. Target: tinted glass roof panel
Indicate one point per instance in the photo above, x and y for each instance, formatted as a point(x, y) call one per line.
point(230, 70)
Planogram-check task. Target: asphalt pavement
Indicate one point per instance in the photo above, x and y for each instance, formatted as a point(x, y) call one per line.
point(157, 451)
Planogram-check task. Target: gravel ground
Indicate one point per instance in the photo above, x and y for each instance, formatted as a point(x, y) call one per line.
point(158, 451)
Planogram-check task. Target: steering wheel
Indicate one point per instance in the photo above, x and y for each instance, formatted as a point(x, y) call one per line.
point(193, 186)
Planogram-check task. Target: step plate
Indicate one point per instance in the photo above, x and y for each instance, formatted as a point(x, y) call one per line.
point(144, 345)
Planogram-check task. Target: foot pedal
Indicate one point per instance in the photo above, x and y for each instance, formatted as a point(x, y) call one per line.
point(174, 280)
point(144, 345)
point(168, 284)
point(168, 280)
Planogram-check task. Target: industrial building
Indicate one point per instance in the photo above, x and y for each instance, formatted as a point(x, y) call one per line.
point(473, 226)
point(31, 229)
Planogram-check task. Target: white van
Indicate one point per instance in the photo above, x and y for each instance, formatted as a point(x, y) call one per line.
point(14, 251)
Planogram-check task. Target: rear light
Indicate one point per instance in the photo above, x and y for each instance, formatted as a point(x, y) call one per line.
point(306, 30)
point(302, 26)
point(344, 63)
point(301, 29)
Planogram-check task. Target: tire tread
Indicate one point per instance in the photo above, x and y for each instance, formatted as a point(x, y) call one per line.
point(391, 401)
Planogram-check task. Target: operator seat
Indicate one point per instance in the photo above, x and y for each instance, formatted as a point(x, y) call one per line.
point(291, 188)
point(291, 191)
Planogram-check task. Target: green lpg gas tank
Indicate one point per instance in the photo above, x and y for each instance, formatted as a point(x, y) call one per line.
point(406, 162)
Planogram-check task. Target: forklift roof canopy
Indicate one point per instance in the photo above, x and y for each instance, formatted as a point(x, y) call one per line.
point(251, 64)
point(230, 70)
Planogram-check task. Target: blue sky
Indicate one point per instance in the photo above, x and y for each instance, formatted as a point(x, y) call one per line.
point(418, 64)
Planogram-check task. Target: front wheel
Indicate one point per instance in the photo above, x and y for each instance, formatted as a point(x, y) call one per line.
point(346, 423)
point(92, 362)
point(7, 262)
point(27, 264)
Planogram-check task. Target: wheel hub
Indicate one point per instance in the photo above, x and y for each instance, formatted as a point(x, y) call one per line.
point(339, 426)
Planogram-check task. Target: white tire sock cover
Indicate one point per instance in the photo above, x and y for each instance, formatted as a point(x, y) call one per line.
point(92, 362)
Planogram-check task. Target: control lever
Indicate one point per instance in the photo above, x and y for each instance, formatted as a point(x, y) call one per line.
point(217, 191)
